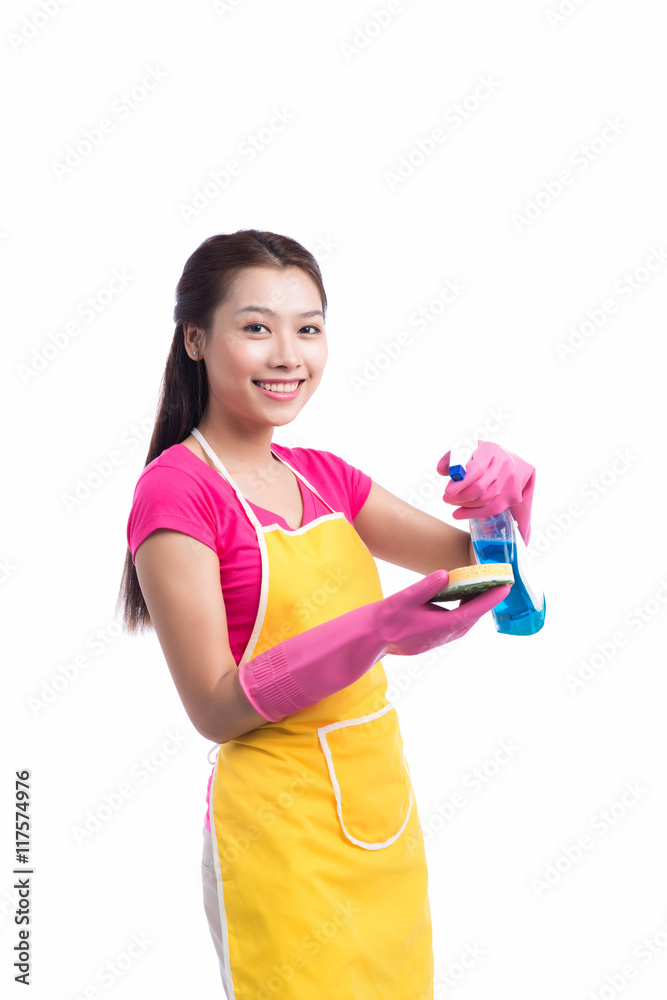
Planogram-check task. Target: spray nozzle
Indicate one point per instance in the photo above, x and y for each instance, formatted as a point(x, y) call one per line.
point(458, 456)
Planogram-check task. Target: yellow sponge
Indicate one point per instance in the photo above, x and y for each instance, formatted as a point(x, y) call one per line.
point(466, 581)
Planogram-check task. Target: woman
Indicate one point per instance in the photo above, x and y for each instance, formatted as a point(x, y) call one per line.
point(254, 564)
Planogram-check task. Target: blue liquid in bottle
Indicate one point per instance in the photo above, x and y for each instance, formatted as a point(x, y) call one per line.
point(494, 540)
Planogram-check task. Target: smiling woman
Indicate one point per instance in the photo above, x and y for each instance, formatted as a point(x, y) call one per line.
point(256, 345)
point(254, 564)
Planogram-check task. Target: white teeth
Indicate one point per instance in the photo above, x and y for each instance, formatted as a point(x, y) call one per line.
point(278, 386)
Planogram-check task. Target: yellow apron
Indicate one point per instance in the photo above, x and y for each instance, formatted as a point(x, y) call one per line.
point(317, 845)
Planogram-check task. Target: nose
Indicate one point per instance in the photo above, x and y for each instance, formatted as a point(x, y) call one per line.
point(285, 352)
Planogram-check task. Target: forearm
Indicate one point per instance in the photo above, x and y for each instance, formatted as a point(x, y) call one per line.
point(310, 666)
point(295, 673)
point(231, 713)
point(396, 532)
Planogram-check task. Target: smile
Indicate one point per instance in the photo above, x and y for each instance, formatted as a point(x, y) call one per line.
point(282, 390)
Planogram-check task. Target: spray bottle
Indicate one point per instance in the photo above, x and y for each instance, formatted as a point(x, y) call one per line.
point(497, 539)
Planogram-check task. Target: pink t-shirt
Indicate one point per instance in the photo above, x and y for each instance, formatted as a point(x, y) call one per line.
point(179, 490)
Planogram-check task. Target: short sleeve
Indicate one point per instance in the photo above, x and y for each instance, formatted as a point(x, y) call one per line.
point(167, 497)
point(359, 486)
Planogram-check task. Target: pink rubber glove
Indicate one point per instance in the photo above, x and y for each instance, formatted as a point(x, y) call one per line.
point(495, 480)
point(310, 666)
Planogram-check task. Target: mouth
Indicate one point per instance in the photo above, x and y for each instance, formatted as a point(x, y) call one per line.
point(280, 389)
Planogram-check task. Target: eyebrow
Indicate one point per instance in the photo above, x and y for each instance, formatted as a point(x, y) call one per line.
point(270, 312)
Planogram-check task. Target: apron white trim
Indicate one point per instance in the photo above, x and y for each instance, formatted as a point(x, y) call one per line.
point(322, 734)
point(220, 925)
point(260, 530)
point(304, 527)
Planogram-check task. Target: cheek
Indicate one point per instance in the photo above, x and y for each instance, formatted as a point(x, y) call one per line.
point(245, 357)
point(320, 354)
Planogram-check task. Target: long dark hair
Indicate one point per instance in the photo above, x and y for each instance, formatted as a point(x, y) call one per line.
point(206, 282)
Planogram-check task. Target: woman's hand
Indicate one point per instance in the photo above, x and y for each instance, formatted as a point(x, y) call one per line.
point(324, 659)
point(495, 480)
point(410, 624)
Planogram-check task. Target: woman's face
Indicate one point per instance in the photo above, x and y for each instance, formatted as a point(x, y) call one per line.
point(270, 330)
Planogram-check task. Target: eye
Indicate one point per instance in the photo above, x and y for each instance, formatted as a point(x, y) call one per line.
point(256, 327)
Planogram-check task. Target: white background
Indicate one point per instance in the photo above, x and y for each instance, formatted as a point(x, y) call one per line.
point(482, 206)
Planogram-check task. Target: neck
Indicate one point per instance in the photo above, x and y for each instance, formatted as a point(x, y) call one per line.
point(239, 449)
